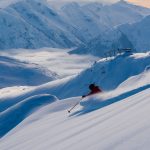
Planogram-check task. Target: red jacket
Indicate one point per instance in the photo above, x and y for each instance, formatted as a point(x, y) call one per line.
point(95, 90)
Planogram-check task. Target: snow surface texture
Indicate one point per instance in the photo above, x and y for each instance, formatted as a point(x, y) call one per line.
point(15, 114)
point(116, 119)
point(33, 118)
point(123, 124)
point(108, 74)
point(36, 24)
point(129, 87)
point(102, 73)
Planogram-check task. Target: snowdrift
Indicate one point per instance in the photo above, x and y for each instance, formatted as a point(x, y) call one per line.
point(15, 114)
point(15, 73)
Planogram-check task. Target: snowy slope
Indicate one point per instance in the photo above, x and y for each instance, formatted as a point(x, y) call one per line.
point(119, 122)
point(5, 3)
point(135, 36)
point(93, 19)
point(115, 14)
point(32, 24)
point(22, 110)
point(35, 116)
point(87, 27)
point(110, 40)
point(108, 74)
point(15, 73)
point(138, 33)
point(35, 23)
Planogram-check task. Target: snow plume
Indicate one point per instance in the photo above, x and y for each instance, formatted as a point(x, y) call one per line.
point(129, 87)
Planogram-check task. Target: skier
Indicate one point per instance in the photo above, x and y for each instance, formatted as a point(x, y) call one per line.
point(93, 90)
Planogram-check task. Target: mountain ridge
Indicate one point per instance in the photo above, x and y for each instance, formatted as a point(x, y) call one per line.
point(38, 24)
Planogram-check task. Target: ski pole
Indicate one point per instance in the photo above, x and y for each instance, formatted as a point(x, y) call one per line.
point(74, 106)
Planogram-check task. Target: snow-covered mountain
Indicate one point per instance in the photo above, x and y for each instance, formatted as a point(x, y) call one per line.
point(41, 91)
point(108, 74)
point(134, 35)
point(138, 33)
point(16, 73)
point(35, 23)
point(32, 24)
point(36, 119)
point(111, 40)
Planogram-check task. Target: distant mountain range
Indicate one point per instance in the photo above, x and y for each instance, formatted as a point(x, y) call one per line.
point(36, 24)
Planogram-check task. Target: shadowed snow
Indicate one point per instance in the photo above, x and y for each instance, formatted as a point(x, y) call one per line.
point(15, 114)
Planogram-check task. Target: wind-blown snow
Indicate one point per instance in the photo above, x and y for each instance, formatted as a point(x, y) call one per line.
point(129, 87)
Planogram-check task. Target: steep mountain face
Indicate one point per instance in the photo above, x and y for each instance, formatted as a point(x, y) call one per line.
point(112, 39)
point(35, 23)
point(86, 26)
point(138, 33)
point(94, 19)
point(135, 36)
point(115, 14)
point(31, 24)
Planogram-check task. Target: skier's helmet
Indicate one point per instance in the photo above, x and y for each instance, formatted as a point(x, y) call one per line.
point(91, 86)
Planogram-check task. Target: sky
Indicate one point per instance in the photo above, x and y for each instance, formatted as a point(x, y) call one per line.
point(145, 3)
